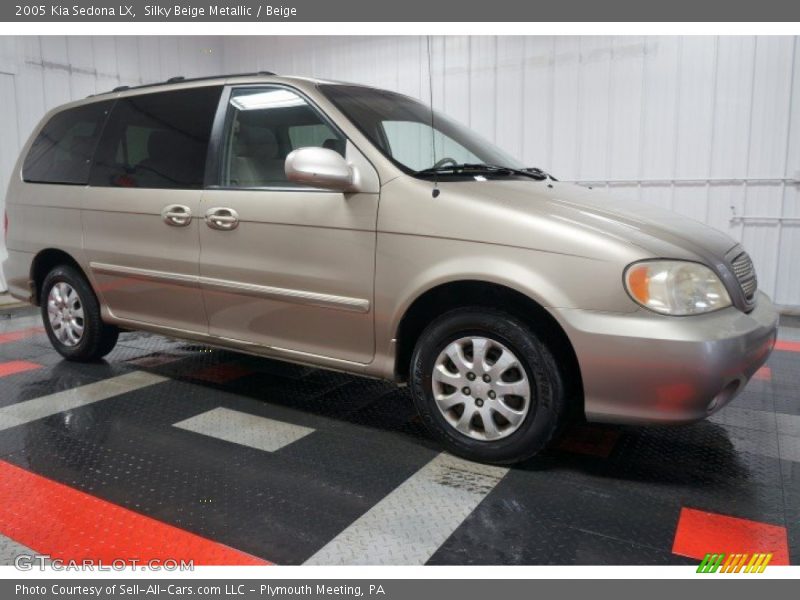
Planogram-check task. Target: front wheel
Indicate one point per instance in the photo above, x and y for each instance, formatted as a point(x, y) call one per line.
point(487, 386)
point(71, 315)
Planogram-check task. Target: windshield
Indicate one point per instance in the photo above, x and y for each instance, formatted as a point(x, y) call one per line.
point(400, 127)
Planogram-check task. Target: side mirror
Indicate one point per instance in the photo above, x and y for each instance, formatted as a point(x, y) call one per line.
point(320, 167)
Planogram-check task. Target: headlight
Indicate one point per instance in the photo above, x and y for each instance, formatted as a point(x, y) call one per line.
point(675, 287)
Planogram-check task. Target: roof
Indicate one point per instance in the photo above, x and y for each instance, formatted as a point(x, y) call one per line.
point(181, 79)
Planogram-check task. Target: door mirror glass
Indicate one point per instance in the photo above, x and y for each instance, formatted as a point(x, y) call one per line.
point(320, 167)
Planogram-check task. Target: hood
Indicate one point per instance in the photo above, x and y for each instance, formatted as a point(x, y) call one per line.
point(659, 231)
point(650, 223)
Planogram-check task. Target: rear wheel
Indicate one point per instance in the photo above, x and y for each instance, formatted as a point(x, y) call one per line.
point(71, 315)
point(487, 386)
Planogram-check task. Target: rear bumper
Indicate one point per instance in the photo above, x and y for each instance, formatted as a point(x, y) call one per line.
point(647, 368)
point(17, 270)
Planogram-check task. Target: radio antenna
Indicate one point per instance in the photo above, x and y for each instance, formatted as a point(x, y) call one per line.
point(433, 124)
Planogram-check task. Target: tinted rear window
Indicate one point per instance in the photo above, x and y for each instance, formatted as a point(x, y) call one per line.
point(157, 140)
point(63, 150)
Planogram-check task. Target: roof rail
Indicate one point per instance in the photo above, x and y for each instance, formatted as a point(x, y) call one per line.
point(181, 79)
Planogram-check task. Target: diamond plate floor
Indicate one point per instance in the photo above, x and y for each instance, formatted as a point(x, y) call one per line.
point(322, 467)
point(9, 550)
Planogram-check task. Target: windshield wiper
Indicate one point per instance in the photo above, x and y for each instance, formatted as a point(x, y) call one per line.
point(532, 172)
point(541, 174)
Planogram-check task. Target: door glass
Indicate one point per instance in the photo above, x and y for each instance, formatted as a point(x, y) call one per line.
point(157, 140)
point(263, 126)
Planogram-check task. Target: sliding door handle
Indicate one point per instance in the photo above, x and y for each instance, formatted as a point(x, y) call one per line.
point(224, 219)
point(177, 215)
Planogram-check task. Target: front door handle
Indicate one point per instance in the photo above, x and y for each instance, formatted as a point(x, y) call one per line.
point(177, 215)
point(224, 219)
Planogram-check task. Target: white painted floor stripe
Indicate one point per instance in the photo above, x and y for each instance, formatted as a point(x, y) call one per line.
point(789, 446)
point(412, 522)
point(245, 429)
point(44, 406)
point(788, 424)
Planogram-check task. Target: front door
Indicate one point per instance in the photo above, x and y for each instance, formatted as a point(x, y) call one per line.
point(284, 265)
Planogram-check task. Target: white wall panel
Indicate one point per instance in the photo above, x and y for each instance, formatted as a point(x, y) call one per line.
point(788, 280)
point(537, 100)
point(565, 107)
point(626, 87)
point(8, 125)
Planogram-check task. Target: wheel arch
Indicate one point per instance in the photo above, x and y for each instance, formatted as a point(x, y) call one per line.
point(44, 262)
point(464, 293)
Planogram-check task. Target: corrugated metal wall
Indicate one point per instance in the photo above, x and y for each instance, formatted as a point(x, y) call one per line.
point(38, 73)
point(709, 126)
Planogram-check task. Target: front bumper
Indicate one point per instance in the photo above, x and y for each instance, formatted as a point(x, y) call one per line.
point(647, 368)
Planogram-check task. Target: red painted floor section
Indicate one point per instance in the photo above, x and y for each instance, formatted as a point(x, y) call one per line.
point(589, 440)
point(67, 524)
point(15, 336)
point(787, 346)
point(700, 533)
point(763, 374)
point(221, 373)
point(17, 366)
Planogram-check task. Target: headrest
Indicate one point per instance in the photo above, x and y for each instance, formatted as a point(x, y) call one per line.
point(82, 146)
point(256, 142)
point(336, 145)
point(166, 144)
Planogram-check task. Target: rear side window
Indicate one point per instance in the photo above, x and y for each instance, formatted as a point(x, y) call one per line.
point(157, 140)
point(63, 150)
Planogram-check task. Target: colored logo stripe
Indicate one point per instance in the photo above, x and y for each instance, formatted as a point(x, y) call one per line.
point(710, 563)
point(70, 525)
point(735, 563)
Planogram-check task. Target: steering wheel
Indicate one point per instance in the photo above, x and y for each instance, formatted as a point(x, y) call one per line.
point(443, 161)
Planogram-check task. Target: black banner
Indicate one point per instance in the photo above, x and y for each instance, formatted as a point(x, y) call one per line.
point(407, 11)
point(395, 589)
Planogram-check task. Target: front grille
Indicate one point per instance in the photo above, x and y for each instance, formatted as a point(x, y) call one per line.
point(746, 274)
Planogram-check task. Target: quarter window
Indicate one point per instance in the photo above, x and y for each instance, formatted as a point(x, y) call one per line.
point(63, 150)
point(263, 126)
point(157, 140)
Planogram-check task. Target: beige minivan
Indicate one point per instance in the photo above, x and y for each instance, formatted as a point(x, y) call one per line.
point(351, 228)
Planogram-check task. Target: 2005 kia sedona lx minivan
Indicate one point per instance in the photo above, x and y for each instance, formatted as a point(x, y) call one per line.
point(349, 228)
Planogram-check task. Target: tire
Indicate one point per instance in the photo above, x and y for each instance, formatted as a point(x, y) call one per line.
point(547, 406)
point(97, 339)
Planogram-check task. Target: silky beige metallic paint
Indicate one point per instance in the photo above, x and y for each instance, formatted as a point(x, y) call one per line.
point(312, 244)
point(123, 228)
